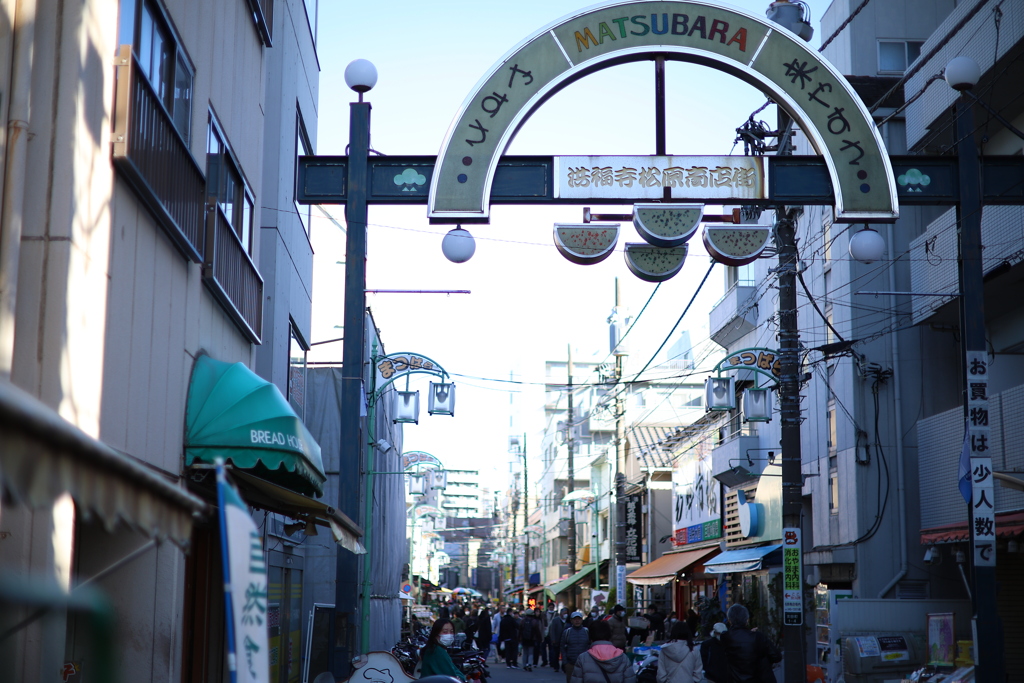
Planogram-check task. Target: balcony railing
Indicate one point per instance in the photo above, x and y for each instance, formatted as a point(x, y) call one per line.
point(232, 277)
point(152, 157)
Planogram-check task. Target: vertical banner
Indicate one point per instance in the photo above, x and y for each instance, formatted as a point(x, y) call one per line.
point(633, 522)
point(245, 586)
point(792, 583)
point(620, 583)
point(983, 509)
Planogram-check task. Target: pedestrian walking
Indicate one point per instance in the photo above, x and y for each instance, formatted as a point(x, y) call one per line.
point(434, 657)
point(529, 637)
point(575, 641)
point(508, 639)
point(484, 632)
point(495, 630)
point(559, 622)
point(617, 622)
point(750, 654)
point(679, 662)
point(603, 662)
point(693, 621)
point(713, 657)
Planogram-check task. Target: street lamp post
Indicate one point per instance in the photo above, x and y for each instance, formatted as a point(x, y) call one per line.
point(361, 76)
point(962, 74)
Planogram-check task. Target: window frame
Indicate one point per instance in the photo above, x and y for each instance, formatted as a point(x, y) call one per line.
point(303, 146)
point(241, 221)
point(907, 61)
point(130, 32)
point(295, 338)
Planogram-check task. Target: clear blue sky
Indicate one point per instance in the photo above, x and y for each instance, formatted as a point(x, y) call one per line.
point(527, 302)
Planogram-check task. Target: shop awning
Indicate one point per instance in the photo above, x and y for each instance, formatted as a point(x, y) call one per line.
point(565, 584)
point(742, 560)
point(43, 456)
point(665, 568)
point(263, 494)
point(1008, 525)
point(237, 416)
point(548, 594)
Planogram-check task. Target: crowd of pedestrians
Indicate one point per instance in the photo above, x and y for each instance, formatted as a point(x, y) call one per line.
point(591, 648)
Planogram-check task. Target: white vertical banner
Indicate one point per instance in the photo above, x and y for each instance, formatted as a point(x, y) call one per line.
point(245, 586)
point(983, 510)
point(620, 583)
point(792, 581)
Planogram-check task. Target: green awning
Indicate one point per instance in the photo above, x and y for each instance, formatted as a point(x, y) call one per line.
point(565, 584)
point(235, 415)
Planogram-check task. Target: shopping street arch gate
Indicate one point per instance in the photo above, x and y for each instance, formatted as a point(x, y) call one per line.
point(777, 62)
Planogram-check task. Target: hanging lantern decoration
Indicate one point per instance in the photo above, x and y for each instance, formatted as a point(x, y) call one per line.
point(441, 400)
point(438, 479)
point(757, 405)
point(417, 485)
point(720, 393)
point(406, 407)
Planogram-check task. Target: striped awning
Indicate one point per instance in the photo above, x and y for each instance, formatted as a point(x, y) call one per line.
point(43, 456)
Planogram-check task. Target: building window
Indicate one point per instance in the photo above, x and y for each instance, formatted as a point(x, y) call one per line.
point(894, 56)
point(826, 234)
point(831, 422)
point(164, 64)
point(296, 372)
point(833, 491)
point(302, 148)
point(225, 185)
point(739, 276)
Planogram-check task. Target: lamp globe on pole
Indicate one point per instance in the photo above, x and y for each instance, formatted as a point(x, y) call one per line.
point(962, 73)
point(458, 245)
point(867, 246)
point(361, 76)
point(794, 15)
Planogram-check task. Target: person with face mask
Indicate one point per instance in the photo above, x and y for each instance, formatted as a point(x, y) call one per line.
point(595, 615)
point(434, 656)
point(617, 622)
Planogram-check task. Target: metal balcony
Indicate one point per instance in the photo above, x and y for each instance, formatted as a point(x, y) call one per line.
point(150, 154)
point(231, 276)
point(734, 315)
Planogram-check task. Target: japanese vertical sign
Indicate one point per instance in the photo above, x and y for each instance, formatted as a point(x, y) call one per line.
point(983, 510)
point(245, 586)
point(633, 517)
point(792, 583)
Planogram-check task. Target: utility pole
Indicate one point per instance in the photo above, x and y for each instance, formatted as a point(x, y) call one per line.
point(526, 523)
point(572, 484)
point(794, 656)
point(620, 457)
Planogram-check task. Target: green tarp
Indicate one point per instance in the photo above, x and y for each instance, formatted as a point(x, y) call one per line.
point(240, 417)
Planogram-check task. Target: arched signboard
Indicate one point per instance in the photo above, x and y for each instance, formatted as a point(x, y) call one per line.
point(760, 53)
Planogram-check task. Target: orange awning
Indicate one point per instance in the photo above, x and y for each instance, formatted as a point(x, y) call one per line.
point(665, 568)
point(1008, 524)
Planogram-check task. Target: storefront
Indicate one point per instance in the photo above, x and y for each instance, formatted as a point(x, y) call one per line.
point(684, 572)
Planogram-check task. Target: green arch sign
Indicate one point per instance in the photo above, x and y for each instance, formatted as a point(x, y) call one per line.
point(765, 55)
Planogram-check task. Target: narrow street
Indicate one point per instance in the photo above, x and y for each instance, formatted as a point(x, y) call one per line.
point(540, 674)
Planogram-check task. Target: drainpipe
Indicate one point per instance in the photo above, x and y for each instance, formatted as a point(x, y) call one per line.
point(12, 216)
point(901, 494)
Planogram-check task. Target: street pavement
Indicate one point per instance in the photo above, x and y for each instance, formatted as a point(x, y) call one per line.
point(540, 673)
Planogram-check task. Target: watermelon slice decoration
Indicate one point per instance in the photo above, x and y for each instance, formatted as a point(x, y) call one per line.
point(736, 245)
point(588, 243)
point(667, 225)
point(654, 264)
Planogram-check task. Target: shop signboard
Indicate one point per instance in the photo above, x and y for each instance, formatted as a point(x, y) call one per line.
point(695, 498)
point(634, 518)
point(792, 570)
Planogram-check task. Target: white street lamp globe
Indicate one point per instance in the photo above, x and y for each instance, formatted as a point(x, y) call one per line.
point(962, 73)
point(458, 245)
point(361, 75)
point(867, 246)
